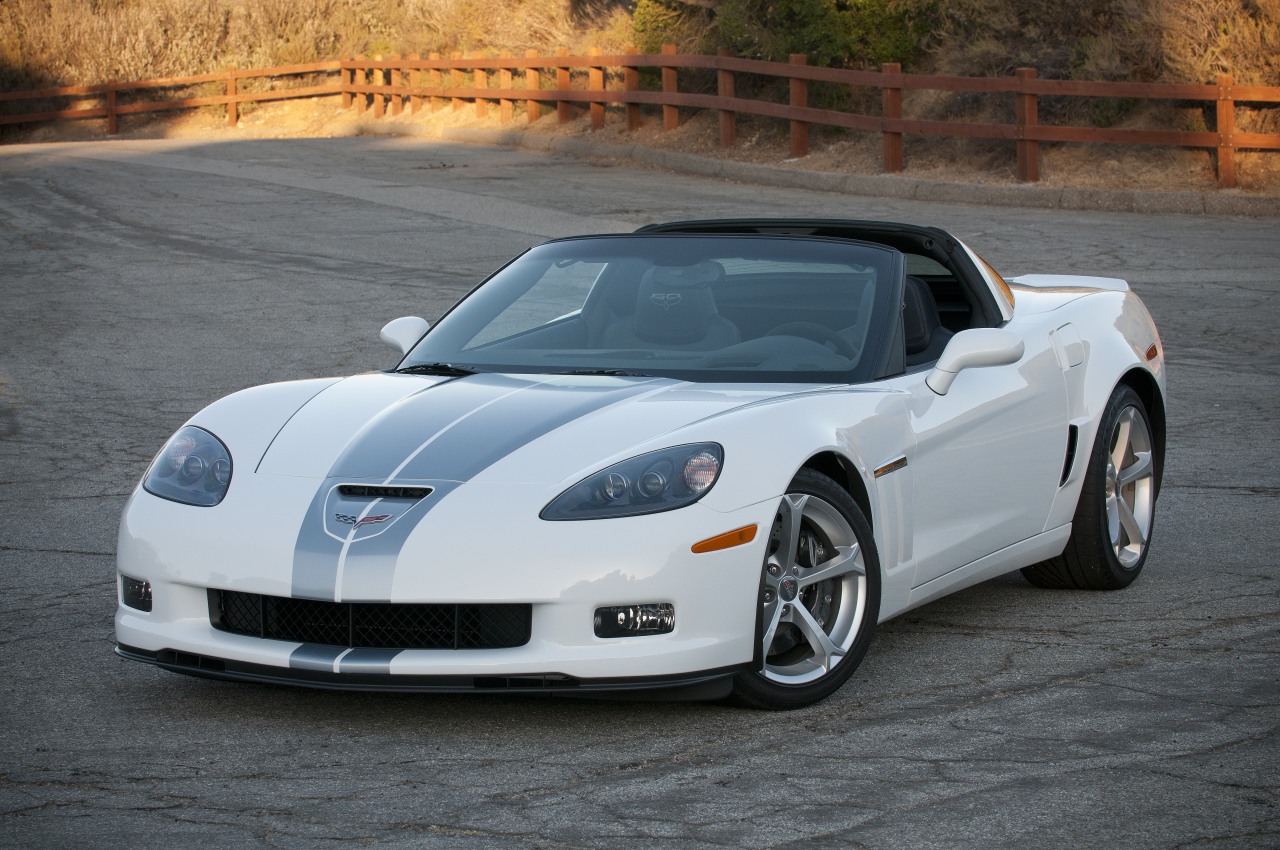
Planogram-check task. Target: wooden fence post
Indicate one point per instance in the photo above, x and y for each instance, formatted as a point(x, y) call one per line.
point(233, 108)
point(595, 83)
point(505, 108)
point(631, 82)
point(359, 77)
point(397, 97)
point(1226, 126)
point(670, 114)
point(113, 122)
point(799, 99)
point(564, 109)
point(728, 118)
point(346, 79)
point(455, 81)
point(533, 82)
point(891, 110)
point(481, 78)
point(415, 82)
point(1028, 116)
point(379, 80)
point(435, 80)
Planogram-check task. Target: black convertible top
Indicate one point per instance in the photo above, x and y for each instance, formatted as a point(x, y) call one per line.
point(932, 242)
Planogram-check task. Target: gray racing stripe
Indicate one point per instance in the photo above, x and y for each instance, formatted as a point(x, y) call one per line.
point(370, 564)
point(383, 444)
point(315, 553)
point(314, 656)
point(368, 661)
point(445, 436)
point(494, 432)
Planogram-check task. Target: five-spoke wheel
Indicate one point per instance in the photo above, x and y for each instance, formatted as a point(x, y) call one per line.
point(819, 597)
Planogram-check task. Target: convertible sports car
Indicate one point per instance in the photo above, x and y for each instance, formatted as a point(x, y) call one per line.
point(701, 460)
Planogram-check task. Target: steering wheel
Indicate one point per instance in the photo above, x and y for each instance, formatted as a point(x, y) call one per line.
point(820, 334)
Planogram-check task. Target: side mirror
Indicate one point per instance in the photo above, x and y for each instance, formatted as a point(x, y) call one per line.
point(970, 349)
point(403, 333)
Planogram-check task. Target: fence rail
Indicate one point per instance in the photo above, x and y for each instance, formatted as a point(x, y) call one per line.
point(534, 83)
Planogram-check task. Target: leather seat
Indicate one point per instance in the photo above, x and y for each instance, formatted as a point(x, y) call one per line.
point(674, 309)
point(921, 325)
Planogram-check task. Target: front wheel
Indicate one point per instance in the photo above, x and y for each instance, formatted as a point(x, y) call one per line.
point(1111, 531)
point(819, 597)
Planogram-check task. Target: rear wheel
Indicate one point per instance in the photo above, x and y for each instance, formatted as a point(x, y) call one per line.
point(819, 597)
point(1111, 531)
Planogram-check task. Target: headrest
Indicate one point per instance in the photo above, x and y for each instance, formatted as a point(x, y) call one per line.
point(919, 315)
point(674, 304)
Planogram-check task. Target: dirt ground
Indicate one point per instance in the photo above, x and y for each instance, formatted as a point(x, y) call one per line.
point(759, 140)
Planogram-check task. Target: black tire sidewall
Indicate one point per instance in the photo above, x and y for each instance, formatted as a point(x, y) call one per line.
point(1091, 526)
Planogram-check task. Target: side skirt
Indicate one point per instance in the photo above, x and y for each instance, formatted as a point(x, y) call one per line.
point(1030, 551)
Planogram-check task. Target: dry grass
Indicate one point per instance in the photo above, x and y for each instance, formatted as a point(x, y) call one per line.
point(83, 41)
point(74, 42)
point(69, 42)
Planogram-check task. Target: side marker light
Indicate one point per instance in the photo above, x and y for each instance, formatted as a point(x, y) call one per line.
point(1153, 352)
point(728, 540)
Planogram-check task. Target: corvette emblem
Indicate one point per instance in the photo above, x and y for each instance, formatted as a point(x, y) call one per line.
point(359, 521)
point(666, 300)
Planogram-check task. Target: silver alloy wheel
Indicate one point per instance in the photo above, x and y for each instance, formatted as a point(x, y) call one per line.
point(815, 591)
point(1130, 488)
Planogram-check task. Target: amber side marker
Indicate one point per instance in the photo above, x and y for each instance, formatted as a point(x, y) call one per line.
point(1152, 352)
point(727, 540)
point(892, 466)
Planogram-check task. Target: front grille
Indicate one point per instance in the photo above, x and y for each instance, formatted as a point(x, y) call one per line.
point(371, 625)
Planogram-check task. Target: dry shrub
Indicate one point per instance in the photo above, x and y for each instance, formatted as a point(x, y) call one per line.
point(72, 42)
point(1137, 40)
point(477, 26)
point(1201, 39)
point(1061, 40)
point(1130, 40)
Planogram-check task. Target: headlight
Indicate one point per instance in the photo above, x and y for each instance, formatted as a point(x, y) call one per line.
point(658, 481)
point(194, 468)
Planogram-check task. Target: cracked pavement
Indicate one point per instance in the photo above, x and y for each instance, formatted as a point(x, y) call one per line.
point(141, 280)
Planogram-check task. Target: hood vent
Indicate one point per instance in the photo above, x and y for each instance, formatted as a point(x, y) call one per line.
point(370, 491)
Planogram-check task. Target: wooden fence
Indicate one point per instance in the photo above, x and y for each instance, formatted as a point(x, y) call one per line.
point(564, 83)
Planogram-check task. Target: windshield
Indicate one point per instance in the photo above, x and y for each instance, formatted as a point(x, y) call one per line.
point(701, 308)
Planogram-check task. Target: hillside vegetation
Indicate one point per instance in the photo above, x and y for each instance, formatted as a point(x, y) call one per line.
point(83, 41)
point(69, 42)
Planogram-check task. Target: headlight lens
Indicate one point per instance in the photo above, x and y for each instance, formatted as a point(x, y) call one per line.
point(653, 482)
point(194, 468)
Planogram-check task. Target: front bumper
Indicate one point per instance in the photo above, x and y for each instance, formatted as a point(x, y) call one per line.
point(564, 572)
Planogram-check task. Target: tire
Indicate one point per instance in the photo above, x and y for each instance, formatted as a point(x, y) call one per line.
point(1111, 531)
point(819, 597)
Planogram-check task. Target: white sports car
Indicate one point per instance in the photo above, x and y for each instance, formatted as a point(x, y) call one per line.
point(702, 460)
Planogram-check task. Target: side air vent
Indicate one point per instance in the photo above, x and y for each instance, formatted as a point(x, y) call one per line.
point(365, 491)
point(1073, 437)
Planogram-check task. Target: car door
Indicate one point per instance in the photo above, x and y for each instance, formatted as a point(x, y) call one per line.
point(988, 457)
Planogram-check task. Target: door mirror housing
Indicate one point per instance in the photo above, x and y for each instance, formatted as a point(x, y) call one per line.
point(971, 349)
point(403, 333)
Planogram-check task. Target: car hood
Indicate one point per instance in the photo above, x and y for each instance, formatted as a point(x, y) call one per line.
point(397, 428)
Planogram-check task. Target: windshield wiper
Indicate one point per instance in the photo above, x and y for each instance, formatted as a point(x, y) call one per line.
point(612, 373)
point(447, 369)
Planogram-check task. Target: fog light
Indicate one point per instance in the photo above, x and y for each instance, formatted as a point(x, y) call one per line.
point(135, 592)
point(653, 618)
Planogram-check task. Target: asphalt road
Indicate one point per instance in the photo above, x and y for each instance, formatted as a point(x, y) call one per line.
point(141, 280)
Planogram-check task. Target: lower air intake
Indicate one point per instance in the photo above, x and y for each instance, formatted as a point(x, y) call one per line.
point(371, 625)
